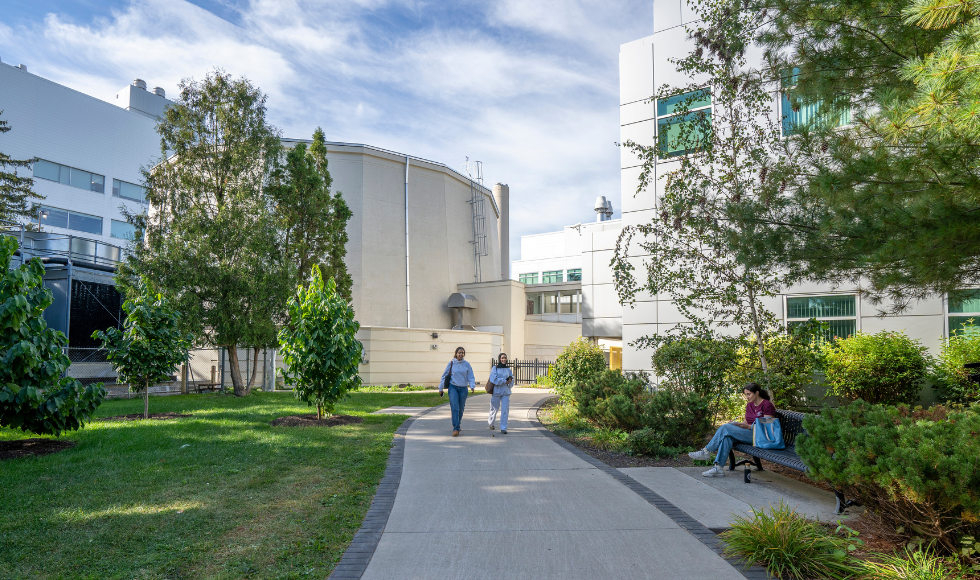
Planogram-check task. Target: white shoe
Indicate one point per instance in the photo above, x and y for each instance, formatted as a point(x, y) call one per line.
point(716, 471)
point(700, 455)
point(492, 427)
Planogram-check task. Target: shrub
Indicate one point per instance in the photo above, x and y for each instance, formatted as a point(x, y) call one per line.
point(696, 364)
point(951, 379)
point(789, 546)
point(912, 565)
point(619, 401)
point(887, 367)
point(577, 362)
point(916, 468)
point(650, 442)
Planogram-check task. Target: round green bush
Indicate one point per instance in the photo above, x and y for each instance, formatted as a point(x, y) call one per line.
point(887, 368)
point(577, 362)
point(951, 379)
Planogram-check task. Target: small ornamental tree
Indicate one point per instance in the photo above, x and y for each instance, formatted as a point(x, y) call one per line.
point(318, 345)
point(885, 368)
point(150, 345)
point(34, 393)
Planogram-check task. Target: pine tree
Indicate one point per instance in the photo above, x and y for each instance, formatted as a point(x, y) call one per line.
point(16, 191)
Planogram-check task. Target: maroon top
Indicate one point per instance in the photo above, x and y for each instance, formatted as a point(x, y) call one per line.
point(763, 409)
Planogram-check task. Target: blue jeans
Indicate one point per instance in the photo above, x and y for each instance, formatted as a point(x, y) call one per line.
point(457, 402)
point(725, 438)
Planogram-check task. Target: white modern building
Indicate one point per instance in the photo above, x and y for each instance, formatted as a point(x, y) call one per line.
point(645, 64)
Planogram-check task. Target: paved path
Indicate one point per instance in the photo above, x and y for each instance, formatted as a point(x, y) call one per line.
point(499, 507)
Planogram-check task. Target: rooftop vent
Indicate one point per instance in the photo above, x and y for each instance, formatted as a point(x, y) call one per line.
point(139, 84)
point(22, 67)
point(159, 91)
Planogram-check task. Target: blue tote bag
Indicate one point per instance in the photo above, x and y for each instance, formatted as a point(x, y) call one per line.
point(767, 433)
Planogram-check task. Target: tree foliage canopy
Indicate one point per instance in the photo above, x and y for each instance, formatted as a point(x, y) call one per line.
point(318, 345)
point(35, 395)
point(211, 242)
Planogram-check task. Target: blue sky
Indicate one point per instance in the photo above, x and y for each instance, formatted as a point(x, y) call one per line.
point(529, 87)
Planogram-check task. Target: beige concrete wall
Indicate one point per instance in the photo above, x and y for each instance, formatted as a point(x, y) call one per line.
point(544, 340)
point(403, 355)
point(501, 304)
point(440, 226)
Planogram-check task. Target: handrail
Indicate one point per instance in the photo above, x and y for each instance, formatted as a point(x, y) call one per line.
point(73, 248)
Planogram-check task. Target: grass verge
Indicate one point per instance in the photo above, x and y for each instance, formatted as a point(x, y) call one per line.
point(221, 494)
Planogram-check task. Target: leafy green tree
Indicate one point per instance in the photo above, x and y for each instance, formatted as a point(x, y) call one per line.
point(16, 191)
point(312, 222)
point(889, 201)
point(150, 345)
point(952, 380)
point(211, 242)
point(318, 345)
point(713, 200)
point(35, 394)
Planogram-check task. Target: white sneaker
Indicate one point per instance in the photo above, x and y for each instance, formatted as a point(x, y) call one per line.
point(700, 455)
point(716, 471)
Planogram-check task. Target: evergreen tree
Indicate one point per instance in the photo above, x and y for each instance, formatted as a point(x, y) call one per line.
point(211, 242)
point(16, 191)
point(312, 222)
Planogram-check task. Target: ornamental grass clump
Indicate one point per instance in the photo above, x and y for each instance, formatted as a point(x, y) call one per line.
point(912, 565)
point(788, 546)
point(916, 469)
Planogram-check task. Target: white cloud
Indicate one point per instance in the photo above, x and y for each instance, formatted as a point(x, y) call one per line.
point(530, 88)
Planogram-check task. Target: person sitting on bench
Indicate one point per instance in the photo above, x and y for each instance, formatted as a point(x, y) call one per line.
point(757, 404)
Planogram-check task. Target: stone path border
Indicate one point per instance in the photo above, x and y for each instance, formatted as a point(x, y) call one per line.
point(358, 555)
point(680, 517)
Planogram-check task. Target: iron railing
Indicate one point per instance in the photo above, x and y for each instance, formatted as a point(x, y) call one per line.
point(527, 371)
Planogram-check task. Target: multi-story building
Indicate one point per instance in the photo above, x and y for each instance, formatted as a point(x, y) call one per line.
point(645, 64)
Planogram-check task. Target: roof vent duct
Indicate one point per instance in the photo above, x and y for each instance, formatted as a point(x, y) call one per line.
point(460, 302)
point(139, 84)
point(159, 92)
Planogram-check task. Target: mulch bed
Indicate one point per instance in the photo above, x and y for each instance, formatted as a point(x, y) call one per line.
point(311, 421)
point(139, 416)
point(35, 447)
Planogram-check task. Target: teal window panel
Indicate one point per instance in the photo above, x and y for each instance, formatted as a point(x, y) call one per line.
point(575, 275)
point(122, 230)
point(807, 307)
point(551, 276)
point(681, 134)
point(684, 102)
point(964, 301)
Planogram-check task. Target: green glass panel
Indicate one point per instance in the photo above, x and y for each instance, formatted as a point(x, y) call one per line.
point(964, 325)
point(682, 133)
point(683, 102)
point(964, 301)
point(575, 275)
point(551, 276)
point(807, 114)
point(835, 328)
point(820, 307)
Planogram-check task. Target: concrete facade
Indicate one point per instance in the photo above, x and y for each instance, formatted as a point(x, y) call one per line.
point(395, 355)
point(65, 127)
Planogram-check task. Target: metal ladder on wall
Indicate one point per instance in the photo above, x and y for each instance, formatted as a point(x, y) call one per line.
point(474, 169)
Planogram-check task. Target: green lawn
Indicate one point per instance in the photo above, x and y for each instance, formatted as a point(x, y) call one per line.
point(221, 494)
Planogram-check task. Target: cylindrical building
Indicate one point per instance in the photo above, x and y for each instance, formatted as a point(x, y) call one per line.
point(501, 193)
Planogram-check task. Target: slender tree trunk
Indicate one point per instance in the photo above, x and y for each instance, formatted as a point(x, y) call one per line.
point(146, 401)
point(241, 389)
point(760, 341)
point(255, 367)
point(319, 412)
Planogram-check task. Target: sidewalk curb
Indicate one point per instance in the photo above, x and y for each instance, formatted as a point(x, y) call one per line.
point(358, 555)
point(679, 516)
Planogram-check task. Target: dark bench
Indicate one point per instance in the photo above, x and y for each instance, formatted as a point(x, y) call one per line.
point(791, 423)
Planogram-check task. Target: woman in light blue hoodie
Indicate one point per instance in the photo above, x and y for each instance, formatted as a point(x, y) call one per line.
point(461, 378)
point(502, 380)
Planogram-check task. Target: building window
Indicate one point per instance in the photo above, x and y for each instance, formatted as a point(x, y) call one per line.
point(128, 190)
point(531, 278)
point(796, 114)
point(575, 275)
point(964, 311)
point(122, 230)
point(839, 312)
point(69, 176)
point(550, 302)
point(72, 220)
point(551, 276)
point(534, 305)
point(683, 123)
point(570, 302)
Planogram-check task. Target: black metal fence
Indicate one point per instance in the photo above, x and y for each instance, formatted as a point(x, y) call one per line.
point(528, 371)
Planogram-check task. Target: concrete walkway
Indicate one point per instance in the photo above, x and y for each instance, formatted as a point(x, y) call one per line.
point(499, 507)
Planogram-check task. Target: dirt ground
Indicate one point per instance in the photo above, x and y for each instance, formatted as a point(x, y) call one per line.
point(311, 421)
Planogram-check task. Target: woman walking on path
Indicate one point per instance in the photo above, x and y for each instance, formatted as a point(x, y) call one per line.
point(502, 380)
point(757, 405)
point(461, 378)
